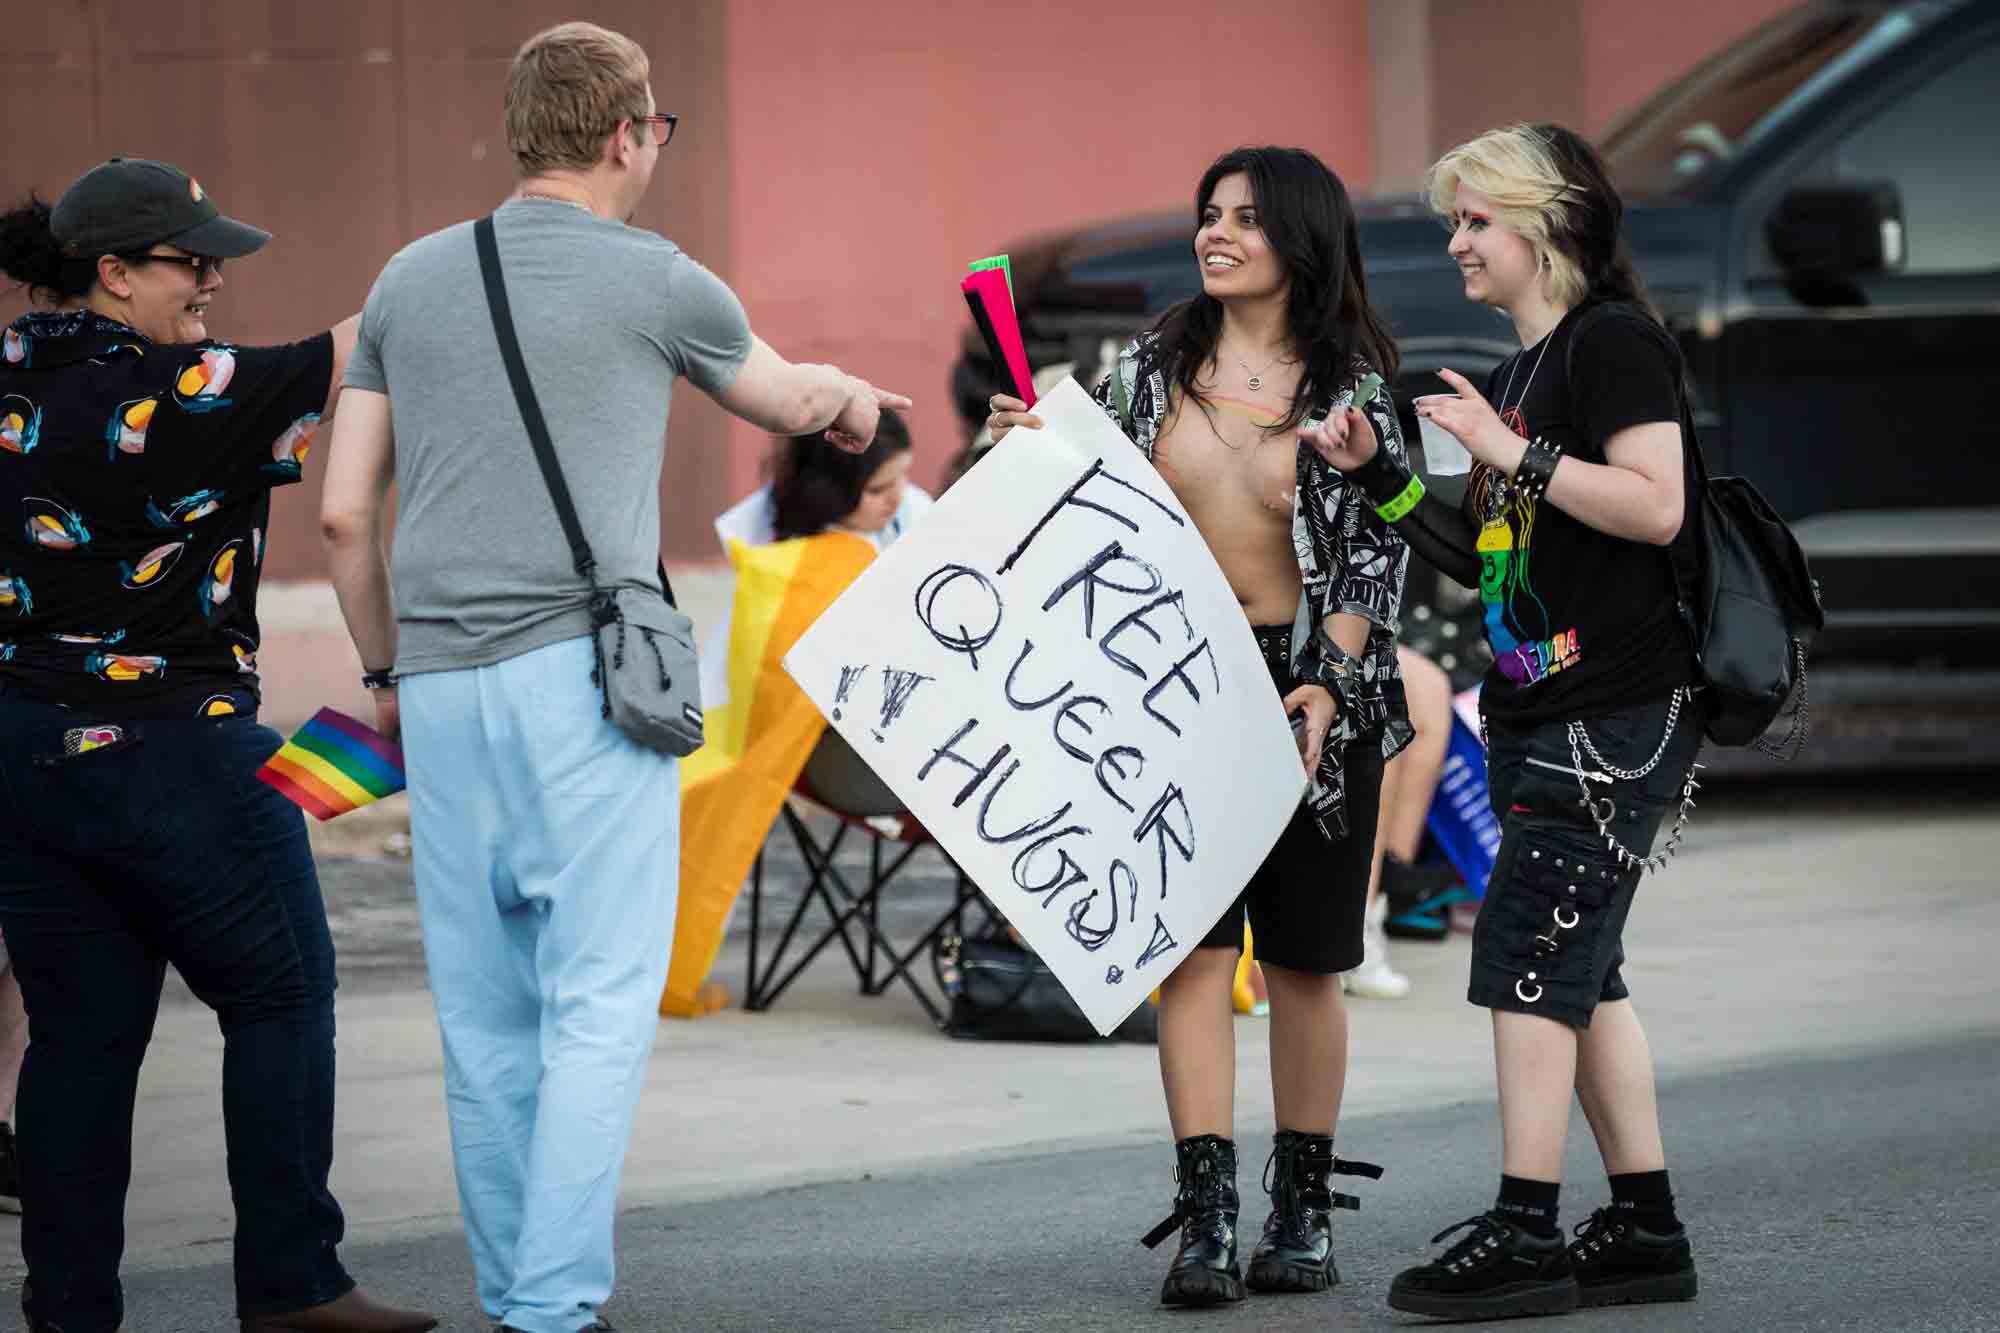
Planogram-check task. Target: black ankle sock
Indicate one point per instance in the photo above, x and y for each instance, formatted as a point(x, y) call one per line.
point(1646, 1198)
point(1530, 1204)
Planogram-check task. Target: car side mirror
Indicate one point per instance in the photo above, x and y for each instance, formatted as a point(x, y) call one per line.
point(1836, 231)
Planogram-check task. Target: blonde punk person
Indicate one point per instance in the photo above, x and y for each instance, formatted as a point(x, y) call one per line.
point(1577, 491)
point(1280, 335)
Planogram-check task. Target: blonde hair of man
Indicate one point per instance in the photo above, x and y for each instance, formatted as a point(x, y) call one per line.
point(569, 87)
point(1514, 168)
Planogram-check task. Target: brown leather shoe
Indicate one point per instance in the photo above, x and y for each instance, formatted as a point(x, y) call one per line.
point(352, 1313)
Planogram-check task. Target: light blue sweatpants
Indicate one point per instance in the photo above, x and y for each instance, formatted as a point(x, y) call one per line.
point(546, 851)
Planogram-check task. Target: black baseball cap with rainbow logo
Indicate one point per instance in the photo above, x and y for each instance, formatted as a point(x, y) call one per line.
point(129, 203)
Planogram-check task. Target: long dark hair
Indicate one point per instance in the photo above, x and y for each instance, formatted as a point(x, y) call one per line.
point(31, 256)
point(1304, 212)
point(814, 485)
point(1588, 222)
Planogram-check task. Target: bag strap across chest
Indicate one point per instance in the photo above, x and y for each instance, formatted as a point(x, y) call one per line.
point(537, 427)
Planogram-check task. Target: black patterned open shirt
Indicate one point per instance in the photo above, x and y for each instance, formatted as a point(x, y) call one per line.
point(1349, 559)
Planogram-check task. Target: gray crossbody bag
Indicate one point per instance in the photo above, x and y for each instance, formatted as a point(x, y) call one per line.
point(646, 664)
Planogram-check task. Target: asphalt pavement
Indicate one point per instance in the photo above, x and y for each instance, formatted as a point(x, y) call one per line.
point(1815, 971)
point(1852, 1192)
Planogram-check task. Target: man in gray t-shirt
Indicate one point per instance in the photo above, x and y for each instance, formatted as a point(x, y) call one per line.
point(546, 843)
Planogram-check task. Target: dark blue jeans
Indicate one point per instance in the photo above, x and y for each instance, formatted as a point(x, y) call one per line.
point(164, 848)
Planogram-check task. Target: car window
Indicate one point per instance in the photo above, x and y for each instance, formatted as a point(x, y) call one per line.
point(1935, 146)
point(1744, 93)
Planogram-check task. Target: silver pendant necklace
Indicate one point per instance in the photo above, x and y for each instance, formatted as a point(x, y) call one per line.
point(1256, 380)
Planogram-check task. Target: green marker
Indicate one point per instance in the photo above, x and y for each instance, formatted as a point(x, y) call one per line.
point(1006, 271)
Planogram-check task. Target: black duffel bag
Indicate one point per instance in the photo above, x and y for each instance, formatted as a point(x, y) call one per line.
point(999, 991)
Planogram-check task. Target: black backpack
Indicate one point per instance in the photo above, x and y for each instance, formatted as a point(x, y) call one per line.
point(1750, 602)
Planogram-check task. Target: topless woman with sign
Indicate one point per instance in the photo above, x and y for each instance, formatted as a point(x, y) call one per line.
point(1281, 336)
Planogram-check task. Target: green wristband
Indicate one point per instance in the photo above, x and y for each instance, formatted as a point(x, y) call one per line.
point(1403, 503)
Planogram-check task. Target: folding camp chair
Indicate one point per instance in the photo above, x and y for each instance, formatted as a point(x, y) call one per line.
point(839, 781)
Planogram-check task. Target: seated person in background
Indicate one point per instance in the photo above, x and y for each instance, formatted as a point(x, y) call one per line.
point(733, 787)
point(868, 494)
point(815, 490)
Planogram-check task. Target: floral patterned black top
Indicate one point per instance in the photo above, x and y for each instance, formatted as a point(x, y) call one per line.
point(135, 490)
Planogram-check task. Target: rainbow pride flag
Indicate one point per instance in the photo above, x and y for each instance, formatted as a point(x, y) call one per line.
point(734, 785)
point(334, 764)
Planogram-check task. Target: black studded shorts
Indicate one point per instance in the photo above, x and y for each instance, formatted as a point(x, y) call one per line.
point(1550, 933)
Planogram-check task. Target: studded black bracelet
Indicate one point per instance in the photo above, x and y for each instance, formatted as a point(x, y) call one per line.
point(1536, 468)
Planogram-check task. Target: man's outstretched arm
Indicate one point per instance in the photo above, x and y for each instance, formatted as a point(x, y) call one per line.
point(788, 398)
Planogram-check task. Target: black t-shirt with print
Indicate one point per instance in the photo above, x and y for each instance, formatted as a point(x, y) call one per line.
point(1580, 622)
point(135, 494)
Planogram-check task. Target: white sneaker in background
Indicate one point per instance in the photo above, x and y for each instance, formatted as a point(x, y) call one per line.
point(1375, 979)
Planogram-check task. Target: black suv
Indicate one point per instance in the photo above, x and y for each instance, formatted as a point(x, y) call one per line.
point(1816, 210)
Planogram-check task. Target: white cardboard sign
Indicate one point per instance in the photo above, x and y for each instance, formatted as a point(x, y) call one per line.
point(1054, 676)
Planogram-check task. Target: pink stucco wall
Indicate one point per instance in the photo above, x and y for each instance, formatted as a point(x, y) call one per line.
point(870, 161)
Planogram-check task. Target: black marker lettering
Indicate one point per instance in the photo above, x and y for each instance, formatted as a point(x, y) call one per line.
point(973, 603)
point(979, 771)
point(1114, 759)
point(1032, 827)
point(1068, 712)
point(848, 676)
point(897, 687)
point(1176, 599)
point(1131, 877)
point(1178, 671)
point(1159, 944)
point(1068, 874)
point(1091, 578)
point(1026, 705)
point(1157, 824)
point(1091, 937)
point(1069, 497)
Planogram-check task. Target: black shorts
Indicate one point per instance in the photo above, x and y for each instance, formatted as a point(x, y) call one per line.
point(1305, 903)
point(1550, 934)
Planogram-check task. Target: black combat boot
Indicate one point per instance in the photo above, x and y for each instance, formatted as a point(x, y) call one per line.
point(1204, 1271)
point(1296, 1251)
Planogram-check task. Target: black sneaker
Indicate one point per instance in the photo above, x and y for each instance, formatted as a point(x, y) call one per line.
point(1620, 1263)
point(1495, 1271)
point(10, 1171)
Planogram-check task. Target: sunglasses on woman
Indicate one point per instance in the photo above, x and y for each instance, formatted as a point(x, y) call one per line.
point(203, 265)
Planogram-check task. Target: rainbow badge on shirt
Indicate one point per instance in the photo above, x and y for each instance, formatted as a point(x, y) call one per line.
point(334, 764)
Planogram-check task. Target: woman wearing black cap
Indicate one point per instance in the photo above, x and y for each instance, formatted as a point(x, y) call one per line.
point(137, 458)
